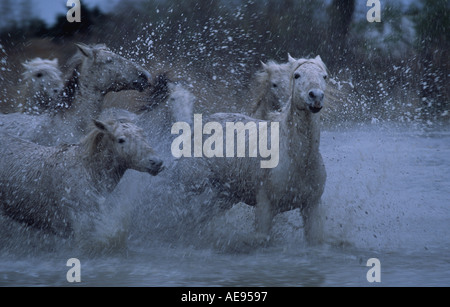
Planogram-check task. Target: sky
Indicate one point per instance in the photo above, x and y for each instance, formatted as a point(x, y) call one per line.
point(49, 9)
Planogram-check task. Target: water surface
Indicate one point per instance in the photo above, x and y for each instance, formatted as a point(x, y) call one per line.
point(387, 197)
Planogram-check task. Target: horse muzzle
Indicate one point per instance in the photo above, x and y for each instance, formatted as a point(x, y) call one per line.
point(142, 82)
point(157, 166)
point(316, 100)
point(315, 110)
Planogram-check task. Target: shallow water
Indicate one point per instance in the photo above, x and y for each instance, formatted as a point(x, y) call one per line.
point(387, 197)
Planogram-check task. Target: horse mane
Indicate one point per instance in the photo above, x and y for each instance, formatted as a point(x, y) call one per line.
point(259, 103)
point(71, 78)
point(315, 61)
point(91, 143)
point(159, 93)
point(117, 114)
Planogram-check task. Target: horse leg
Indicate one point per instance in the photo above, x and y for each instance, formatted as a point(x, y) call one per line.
point(313, 222)
point(264, 213)
point(243, 242)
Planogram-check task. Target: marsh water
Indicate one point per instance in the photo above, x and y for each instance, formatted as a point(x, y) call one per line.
point(387, 196)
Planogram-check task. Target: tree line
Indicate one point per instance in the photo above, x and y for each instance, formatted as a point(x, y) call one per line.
point(408, 49)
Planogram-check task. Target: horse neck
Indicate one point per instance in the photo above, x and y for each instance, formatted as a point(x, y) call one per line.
point(88, 97)
point(83, 96)
point(262, 102)
point(301, 129)
point(104, 169)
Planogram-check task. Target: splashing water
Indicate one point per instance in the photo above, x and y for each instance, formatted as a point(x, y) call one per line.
point(386, 197)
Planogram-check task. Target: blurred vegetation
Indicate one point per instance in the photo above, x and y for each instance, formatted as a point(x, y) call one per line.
point(400, 64)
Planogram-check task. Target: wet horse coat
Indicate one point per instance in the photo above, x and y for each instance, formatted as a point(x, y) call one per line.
point(299, 180)
point(53, 188)
point(92, 73)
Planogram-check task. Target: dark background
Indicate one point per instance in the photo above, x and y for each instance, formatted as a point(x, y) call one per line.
point(394, 70)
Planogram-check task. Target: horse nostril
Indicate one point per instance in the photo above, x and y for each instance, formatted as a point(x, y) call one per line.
point(156, 164)
point(156, 167)
point(316, 94)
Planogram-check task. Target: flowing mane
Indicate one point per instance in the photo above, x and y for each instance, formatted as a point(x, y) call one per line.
point(92, 73)
point(90, 144)
point(72, 75)
point(159, 92)
point(298, 180)
point(272, 89)
point(99, 136)
point(71, 80)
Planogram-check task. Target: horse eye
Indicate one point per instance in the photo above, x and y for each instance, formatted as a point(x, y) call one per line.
point(297, 76)
point(325, 77)
point(39, 75)
point(121, 141)
point(275, 85)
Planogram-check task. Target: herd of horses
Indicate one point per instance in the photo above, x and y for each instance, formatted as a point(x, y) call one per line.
point(66, 151)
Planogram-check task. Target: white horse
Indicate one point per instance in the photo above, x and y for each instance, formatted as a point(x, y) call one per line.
point(299, 179)
point(95, 71)
point(92, 73)
point(53, 188)
point(42, 85)
point(272, 89)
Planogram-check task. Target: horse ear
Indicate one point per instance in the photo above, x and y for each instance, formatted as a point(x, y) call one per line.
point(264, 65)
point(85, 50)
point(321, 64)
point(291, 59)
point(100, 125)
point(55, 62)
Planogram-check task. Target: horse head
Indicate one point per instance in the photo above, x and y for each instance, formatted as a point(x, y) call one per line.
point(274, 78)
point(112, 72)
point(309, 83)
point(43, 82)
point(128, 145)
